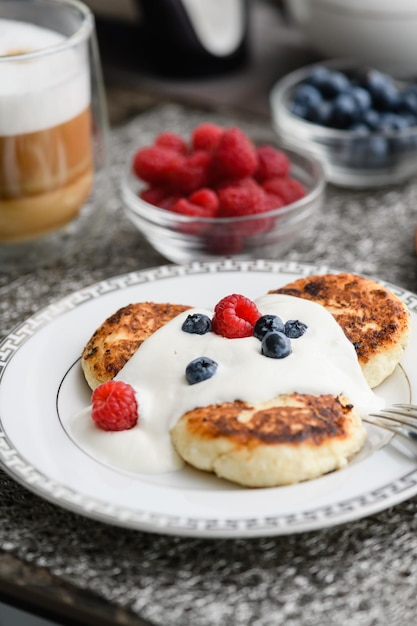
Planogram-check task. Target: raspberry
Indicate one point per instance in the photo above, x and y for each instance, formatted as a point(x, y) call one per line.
point(158, 196)
point(274, 202)
point(271, 163)
point(153, 195)
point(201, 203)
point(235, 317)
point(242, 199)
point(193, 172)
point(156, 165)
point(289, 189)
point(170, 140)
point(114, 406)
point(206, 136)
point(206, 198)
point(186, 207)
point(235, 156)
point(168, 202)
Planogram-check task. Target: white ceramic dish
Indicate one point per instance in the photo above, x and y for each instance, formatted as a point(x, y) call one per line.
point(377, 32)
point(42, 354)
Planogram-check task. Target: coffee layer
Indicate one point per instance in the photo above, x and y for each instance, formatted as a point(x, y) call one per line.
point(39, 162)
point(27, 218)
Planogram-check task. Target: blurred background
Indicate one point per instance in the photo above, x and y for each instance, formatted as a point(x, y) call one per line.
point(166, 49)
point(149, 53)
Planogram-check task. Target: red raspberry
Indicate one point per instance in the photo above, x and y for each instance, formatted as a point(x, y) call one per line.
point(235, 317)
point(274, 202)
point(193, 173)
point(289, 189)
point(168, 202)
point(206, 198)
point(156, 165)
point(201, 203)
point(206, 136)
point(170, 140)
point(114, 406)
point(185, 207)
point(159, 197)
point(245, 198)
point(153, 195)
point(271, 163)
point(235, 156)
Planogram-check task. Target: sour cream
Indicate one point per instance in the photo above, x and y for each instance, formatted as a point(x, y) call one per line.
point(322, 361)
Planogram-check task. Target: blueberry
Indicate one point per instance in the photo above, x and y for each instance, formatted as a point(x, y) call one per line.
point(323, 113)
point(197, 323)
point(371, 119)
point(318, 76)
point(300, 110)
point(373, 80)
point(385, 94)
point(409, 101)
point(336, 83)
point(200, 369)
point(360, 129)
point(294, 329)
point(362, 99)
point(344, 111)
point(276, 345)
point(410, 118)
point(392, 121)
point(307, 95)
point(266, 323)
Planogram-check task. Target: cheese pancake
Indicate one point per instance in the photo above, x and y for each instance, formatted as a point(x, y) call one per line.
point(120, 335)
point(373, 318)
point(289, 439)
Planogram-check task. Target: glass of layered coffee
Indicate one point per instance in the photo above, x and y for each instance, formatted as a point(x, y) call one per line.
point(53, 130)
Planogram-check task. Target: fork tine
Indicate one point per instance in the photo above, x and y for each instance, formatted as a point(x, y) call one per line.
point(400, 416)
point(411, 409)
point(396, 421)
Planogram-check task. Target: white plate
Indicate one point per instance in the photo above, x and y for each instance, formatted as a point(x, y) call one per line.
point(41, 386)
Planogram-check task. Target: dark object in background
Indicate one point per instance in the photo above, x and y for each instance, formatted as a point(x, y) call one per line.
point(202, 38)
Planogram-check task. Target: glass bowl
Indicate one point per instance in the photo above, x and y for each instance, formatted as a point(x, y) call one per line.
point(349, 158)
point(181, 238)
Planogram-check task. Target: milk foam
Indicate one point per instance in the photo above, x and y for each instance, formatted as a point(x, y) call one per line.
point(42, 92)
point(322, 361)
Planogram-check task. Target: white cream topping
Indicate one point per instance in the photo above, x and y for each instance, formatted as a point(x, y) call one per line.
point(39, 93)
point(322, 361)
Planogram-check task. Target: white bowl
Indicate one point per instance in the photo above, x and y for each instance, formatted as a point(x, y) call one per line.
point(377, 32)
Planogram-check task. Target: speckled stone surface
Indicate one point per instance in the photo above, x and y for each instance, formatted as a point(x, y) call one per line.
point(362, 574)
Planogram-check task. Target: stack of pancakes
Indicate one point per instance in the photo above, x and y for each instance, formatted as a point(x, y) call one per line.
point(292, 437)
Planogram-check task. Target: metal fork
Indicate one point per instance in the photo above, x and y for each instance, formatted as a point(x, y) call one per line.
point(400, 419)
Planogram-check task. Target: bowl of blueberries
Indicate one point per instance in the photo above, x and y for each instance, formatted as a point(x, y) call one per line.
point(360, 122)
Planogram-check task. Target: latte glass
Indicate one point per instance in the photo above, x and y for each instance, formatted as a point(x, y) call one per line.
point(53, 130)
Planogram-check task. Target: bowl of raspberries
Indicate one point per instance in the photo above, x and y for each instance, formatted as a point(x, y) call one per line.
point(358, 121)
point(218, 192)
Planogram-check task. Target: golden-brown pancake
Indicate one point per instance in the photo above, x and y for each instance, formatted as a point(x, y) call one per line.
point(120, 335)
point(373, 318)
point(289, 439)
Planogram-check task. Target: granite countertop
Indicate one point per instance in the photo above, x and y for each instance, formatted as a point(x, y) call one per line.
point(361, 573)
